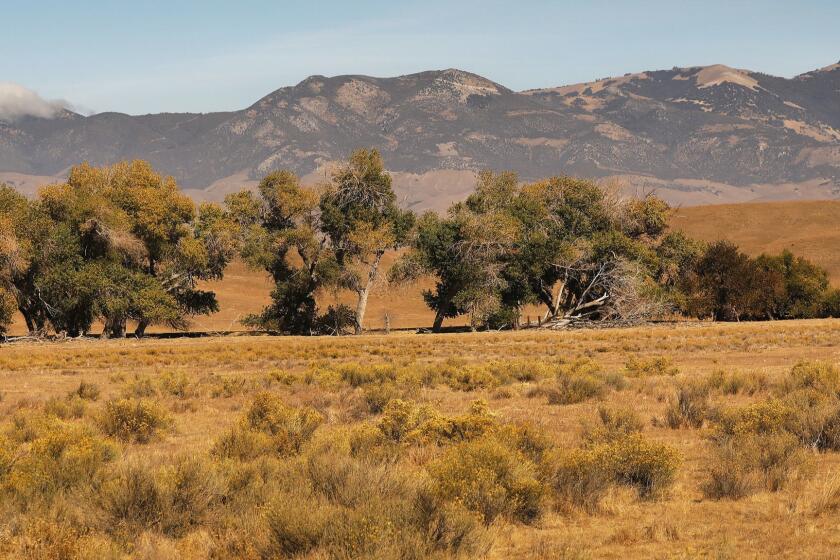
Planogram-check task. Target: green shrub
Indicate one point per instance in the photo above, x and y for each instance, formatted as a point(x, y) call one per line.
point(133, 420)
point(490, 479)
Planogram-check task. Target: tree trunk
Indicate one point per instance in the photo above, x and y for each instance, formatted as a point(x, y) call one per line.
point(438, 320)
point(363, 294)
point(141, 329)
point(114, 327)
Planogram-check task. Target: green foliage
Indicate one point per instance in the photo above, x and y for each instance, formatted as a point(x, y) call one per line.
point(113, 243)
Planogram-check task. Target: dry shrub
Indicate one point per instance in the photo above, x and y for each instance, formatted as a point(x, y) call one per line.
point(689, 407)
point(132, 499)
point(580, 478)
point(136, 421)
point(86, 391)
point(296, 524)
point(59, 457)
point(66, 409)
point(654, 366)
point(648, 466)
point(580, 381)
point(614, 423)
point(736, 382)
point(767, 417)
point(820, 376)
point(827, 500)
point(358, 375)
point(269, 426)
point(745, 463)
point(489, 478)
point(178, 385)
point(141, 387)
point(408, 422)
point(43, 539)
point(191, 488)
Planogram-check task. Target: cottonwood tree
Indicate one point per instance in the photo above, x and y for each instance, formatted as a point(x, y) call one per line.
point(281, 234)
point(360, 217)
point(114, 243)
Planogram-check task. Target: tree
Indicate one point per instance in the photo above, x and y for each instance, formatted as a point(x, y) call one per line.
point(280, 233)
point(360, 217)
point(118, 243)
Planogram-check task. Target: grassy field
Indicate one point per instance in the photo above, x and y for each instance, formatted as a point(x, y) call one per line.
point(373, 447)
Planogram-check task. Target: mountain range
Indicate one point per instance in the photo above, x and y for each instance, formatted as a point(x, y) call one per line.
point(698, 135)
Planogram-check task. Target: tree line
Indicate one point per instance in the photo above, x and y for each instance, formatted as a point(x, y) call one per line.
point(121, 243)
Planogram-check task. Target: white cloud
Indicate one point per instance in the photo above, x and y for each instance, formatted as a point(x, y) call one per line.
point(17, 101)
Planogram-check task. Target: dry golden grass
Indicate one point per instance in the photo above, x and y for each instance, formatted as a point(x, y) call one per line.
point(175, 496)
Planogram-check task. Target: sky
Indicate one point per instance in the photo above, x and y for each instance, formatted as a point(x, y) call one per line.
point(200, 56)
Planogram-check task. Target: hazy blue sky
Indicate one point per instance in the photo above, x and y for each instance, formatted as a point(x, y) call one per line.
point(208, 55)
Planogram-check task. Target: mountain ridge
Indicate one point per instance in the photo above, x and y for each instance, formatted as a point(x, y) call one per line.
point(706, 134)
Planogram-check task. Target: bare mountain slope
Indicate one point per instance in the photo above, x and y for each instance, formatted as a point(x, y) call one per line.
point(698, 135)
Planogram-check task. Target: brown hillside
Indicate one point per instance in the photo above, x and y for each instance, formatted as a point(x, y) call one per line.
point(807, 228)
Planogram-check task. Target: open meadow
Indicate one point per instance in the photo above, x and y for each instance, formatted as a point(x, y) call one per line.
point(666, 441)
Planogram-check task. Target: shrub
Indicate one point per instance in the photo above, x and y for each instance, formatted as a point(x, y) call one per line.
point(490, 479)
point(580, 478)
point(132, 499)
point(133, 420)
point(61, 456)
point(404, 421)
point(768, 417)
point(296, 524)
point(615, 423)
point(178, 385)
point(357, 375)
point(191, 489)
point(820, 376)
point(66, 409)
point(646, 465)
point(738, 382)
point(141, 388)
point(747, 462)
point(657, 365)
point(572, 389)
point(86, 391)
point(689, 407)
point(378, 395)
point(269, 425)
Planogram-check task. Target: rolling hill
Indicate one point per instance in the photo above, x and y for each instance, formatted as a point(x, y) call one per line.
point(699, 135)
